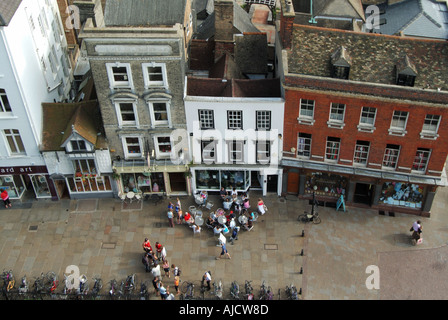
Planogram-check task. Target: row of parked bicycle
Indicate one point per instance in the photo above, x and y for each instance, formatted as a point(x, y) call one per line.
point(48, 286)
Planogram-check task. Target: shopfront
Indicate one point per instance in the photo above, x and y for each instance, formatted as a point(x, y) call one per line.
point(34, 179)
point(383, 191)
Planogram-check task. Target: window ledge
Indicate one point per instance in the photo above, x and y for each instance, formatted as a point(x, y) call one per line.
point(366, 128)
point(306, 121)
point(335, 125)
point(429, 135)
point(397, 132)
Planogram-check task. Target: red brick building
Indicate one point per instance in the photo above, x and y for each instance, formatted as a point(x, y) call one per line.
point(365, 116)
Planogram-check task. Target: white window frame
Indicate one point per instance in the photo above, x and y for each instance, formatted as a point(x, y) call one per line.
point(333, 120)
point(160, 123)
point(389, 157)
point(131, 155)
point(15, 136)
point(396, 130)
point(304, 143)
point(207, 149)
point(361, 154)
point(235, 146)
point(336, 145)
point(154, 84)
point(126, 123)
point(304, 118)
point(365, 126)
point(119, 84)
point(430, 134)
point(422, 158)
point(3, 97)
point(263, 156)
point(161, 154)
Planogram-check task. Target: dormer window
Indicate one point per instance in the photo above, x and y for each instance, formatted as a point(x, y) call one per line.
point(78, 145)
point(406, 72)
point(340, 64)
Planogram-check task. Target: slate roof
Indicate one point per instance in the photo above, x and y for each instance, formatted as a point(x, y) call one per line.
point(60, 119)
point(7, 10)
point(144, 12)
point(374, 57)
point(419, 18)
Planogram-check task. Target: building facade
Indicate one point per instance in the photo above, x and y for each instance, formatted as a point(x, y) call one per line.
point(365, 116)
point(138, 61)
point(34, 68)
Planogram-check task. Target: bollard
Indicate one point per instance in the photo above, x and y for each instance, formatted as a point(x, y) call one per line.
point(300, 291)
point(301, 253)
point(303, 233)
point(301, 270)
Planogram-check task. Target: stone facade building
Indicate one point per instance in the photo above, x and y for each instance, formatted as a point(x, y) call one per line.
point(138, 61)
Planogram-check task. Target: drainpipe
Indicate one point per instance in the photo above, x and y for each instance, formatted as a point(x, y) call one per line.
point(312, 20)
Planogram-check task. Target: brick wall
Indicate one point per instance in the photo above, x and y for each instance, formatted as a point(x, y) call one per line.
point(378, 139)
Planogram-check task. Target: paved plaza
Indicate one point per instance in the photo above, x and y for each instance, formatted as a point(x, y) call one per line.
point(103, 237)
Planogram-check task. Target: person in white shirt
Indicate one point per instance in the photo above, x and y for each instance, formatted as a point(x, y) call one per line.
point(207, 277)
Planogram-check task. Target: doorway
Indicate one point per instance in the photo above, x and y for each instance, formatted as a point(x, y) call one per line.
point(255, 180)
point(272, 183)
point(363, 193)
point(178, 181)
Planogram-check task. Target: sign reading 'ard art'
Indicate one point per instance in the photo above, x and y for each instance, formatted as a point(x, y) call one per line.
point(23, 170)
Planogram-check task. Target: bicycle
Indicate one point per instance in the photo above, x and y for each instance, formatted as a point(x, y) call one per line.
point(307, 217)
point(129, 284)
point(248, 290)
point(113, 288)
point(52, 281)
point(187, 289)
point(291, 292)
point(23, 288)
point(38, 287)
point(97, 286)
point(217, 290)
point(8, 280)
point(265, 292)
point(144, 291)
point(235, 290)
point(83, 288)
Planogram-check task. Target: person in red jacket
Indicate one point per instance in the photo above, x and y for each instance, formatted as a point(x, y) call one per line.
point(5, 197)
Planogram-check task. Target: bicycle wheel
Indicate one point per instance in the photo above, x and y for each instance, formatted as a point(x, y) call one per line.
point(303, 218)
point(316, 220)
point(184, 286)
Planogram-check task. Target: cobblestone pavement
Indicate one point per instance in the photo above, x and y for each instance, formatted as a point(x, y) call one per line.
point(103, 238)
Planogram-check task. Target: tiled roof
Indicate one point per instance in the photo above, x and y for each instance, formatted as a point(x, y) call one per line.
point(60, 119)
point(144, 12)
point(374, 57)
point(7, 10)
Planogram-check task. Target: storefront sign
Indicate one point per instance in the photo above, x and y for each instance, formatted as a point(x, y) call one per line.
point(23, 170)
point(340, 202)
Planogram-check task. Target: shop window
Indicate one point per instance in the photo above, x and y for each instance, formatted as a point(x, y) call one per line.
point(233, 179)
point(14, 185)
point(143, 182)
point(391, 154)
point(361, 152)
point(89, 183)
point(401, 194)
point(332, 149)
point(421, 160)
point(207, 179)
point(324, 184)
point(40, 186)
point(304, 145)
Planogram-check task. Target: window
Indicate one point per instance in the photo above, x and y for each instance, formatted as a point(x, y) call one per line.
point(119, 75)
point(236, 151)
point(368, 115)
point(421, 160)
point(126, 113)
point(391, 154)
point(206, 119)
point(337, 111)
point(14, 142)
point(163, 146)
point(263, 152)
point(430, 126)
point(132, 147)
point(208, 151)
point(263, 120)
point(405, 80)
point(160, 113)
point(304, 145)
point(398, 123)
point(78, 145)
point(235, 119)
point(306, 109)
point(84, 166)
point(4, 102)
point(155, 75)
point(332, 149)
point(361, 152)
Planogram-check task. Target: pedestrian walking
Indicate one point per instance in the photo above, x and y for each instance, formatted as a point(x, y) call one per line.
point(147, 246)
point(176, 284)
point(207, 277)
point(162, 290)
point(170, 215)
point(155, 283)
point(176, 270)
point(166, 267)
point(234, 235)
point(223, 251)
point(5, 197)
point(416, 230)
point(261, 206)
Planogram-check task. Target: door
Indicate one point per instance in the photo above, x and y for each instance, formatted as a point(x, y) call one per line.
point(293, 183)
point(178, 181)
point(363, 193)
point(272, 183)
